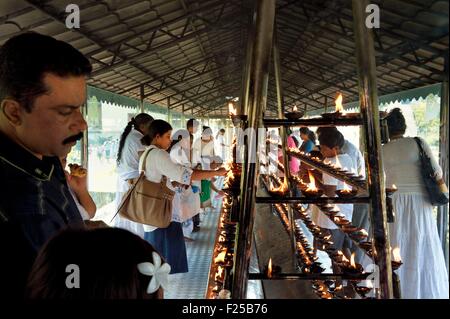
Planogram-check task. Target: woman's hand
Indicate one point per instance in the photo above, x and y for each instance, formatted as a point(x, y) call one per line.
point(221, 193)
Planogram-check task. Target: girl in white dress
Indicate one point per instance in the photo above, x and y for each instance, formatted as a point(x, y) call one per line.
point(130, 149)
point(423, 274)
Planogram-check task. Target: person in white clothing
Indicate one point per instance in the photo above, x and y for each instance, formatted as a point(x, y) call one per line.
point(423, 274)
point(180, 153)
point(360, 217)
point(330, 143)
point(169, 242)
point(204, 154)
point(130, 149)
point(220, 145)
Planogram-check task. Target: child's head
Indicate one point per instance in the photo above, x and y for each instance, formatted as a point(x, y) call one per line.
point(331, 141)
point(107, 263)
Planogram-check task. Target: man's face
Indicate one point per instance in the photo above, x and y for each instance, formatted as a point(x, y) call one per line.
point(55, 117)
point(328, 152)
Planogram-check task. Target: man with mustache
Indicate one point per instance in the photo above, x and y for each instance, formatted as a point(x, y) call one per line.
point(42, 89)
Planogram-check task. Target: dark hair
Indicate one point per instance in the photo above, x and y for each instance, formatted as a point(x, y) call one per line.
point(24, 60)
point(158, 127)
point(190, 123)
point(309, 133)
point(135, 122)
point(222, 130)
point(331, 137)
point(325, 128)
point(107, 260)
point(396, 122)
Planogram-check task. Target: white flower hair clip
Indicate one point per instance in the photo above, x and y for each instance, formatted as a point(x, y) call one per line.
point(158, 272)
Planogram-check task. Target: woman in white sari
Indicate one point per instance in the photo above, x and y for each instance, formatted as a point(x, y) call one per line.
point(423, 274)
point(130, 149)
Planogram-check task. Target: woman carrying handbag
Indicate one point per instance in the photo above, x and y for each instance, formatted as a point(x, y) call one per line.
point(169, 242)
point(423, 274)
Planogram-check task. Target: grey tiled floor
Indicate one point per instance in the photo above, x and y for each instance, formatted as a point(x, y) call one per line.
point(192, 285)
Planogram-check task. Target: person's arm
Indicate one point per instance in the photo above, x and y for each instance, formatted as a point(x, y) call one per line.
point(79, 187)
point(88, 203)
point(436, 167)
point(434, 163)
point(180, 173)
point(218, 191)
point(198, 175)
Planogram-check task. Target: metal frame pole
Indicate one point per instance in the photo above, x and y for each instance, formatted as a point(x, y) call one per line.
point(265, 15)
point(368, 96)
point(284, 137)
point(443, 159)
point(141, 102)
point(248, 67)
point(84, 141)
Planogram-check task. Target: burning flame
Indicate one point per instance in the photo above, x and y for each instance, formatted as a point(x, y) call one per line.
point(393, 186)
point(352, 261)
point(339, 107)
point(295, 108)
point(346, 189)
point(219, 274)
point(312, 184)
point(269, 268)
point(283, 187)
point(396, 254)
point(221, 257)
point(232, 109)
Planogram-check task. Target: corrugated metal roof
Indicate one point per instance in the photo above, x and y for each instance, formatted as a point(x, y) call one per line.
point(190, 53)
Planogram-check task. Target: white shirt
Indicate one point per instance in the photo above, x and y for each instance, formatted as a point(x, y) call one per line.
point(128, 167)
point(402, 165)
point(220, 145)
point(83, 212)
point(203, 153)
point(158, 164)
point(357, 157)
point(346, 209)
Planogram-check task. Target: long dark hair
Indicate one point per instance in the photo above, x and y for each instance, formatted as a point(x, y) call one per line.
point(158, 127)
point(108, 261)
point(309, 133)
point(135, 122)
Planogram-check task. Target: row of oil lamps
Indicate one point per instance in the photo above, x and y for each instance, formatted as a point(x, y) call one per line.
point(224, 250)
point(223, 254)
point(342, 173)
point(339, 112)
point(323, 289)
point(304, 251)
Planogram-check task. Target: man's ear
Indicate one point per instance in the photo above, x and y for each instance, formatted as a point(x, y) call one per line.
point(12, 111)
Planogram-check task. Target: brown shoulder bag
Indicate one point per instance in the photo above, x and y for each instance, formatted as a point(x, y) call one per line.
point(147, 202)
